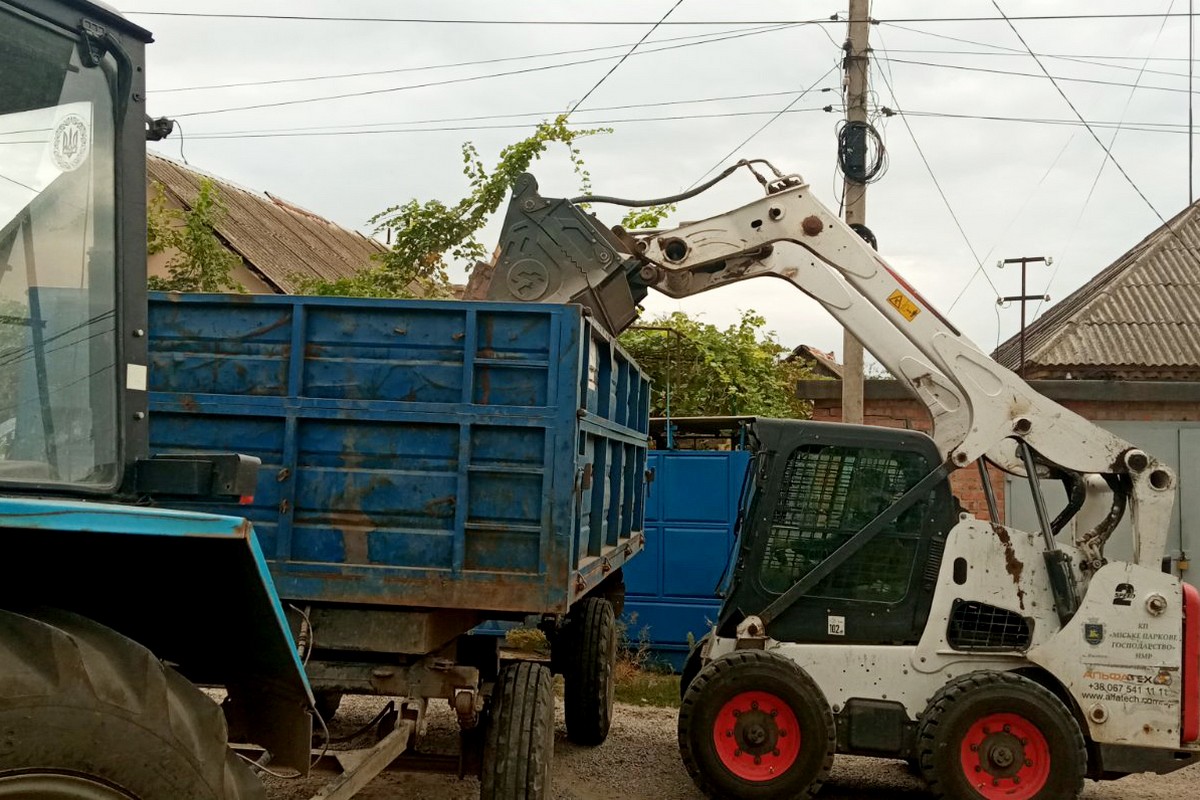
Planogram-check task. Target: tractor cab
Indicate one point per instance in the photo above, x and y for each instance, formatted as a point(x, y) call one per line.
point(72, 248)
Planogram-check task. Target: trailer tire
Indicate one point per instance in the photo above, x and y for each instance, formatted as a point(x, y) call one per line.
point(996, 734)
point(327, 703)
point(588, 667)
point(755, 725)
point(519, 744)
point(86, 712)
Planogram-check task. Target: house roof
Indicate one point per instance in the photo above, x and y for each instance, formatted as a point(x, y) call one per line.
point(276, 239)
point(821, 362)
point(1138, 319)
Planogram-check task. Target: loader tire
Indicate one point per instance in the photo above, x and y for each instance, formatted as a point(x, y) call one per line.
point(691, 667)
point(755, 726)
point(519, 743)
point(995, 734)
point(590, 661)
point(87, 713)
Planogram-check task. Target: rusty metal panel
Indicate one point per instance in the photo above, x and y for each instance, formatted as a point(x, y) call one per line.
point(481, 456)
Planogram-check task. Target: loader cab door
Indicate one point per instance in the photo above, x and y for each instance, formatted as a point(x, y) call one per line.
point(818, 484)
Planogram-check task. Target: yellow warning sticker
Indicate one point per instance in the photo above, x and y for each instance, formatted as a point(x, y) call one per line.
point(907, 308)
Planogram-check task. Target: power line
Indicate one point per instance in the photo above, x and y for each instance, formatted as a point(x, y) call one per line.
point(1096, 181)
point(1063, 94)
point(1092, 61)
point(517, 115)
point(1045, 74)
point(508, 126)
point(450, 81)
point(621, 61)
point(912, 135)
point(608, 22)
point(786, 109)
point(481, 62)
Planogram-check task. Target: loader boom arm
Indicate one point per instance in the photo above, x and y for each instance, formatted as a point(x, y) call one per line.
point(979, 408)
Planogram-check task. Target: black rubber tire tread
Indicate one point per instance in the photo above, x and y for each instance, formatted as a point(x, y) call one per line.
point(964, 698)
point(78, 697)
point(519, 744)
point(327, 703)
point(746, 670)
point(588, 670)
point(691, 667)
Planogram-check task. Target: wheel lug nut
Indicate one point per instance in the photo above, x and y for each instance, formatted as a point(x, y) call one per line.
point(978, 768)
point(728, 734)
point(995, 781)
point(774, 712)
point(758, 759)
point(1029, 762)
point(754, 705)
point(736, 713)
point(1007, 729)
point(974, 748)
point(775, 752)
point(1016, 779)
point(1024, 742)
point(782, 733)
point(737, 752)
point(986, 731)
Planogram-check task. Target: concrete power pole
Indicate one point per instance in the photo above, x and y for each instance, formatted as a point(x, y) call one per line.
point(854, 192)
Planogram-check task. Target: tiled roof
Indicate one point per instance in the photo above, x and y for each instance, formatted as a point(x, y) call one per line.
point(1138, 319)
point(276, 239)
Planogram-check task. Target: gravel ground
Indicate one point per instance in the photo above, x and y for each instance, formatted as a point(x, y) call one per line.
point(640, 761)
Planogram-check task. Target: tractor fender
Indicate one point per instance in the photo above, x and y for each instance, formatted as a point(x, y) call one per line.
point(193, 588)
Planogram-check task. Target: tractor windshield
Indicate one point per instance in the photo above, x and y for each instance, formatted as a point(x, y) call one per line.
point(58, 377)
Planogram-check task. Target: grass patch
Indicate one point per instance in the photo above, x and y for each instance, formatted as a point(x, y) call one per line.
point(638, 679)
point(646, 687)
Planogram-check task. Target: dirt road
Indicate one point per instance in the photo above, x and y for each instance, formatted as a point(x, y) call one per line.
point(640, 761)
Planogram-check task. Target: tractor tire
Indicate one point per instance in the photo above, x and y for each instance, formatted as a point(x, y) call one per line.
point(88, 713)
point(588, 670)
point(755, 725)
point(327, 703)
point(519, 743)
point(995, 734)
point(691, 667)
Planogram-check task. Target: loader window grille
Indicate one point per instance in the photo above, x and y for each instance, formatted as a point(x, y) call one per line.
point(979, 626)
point(829, 493)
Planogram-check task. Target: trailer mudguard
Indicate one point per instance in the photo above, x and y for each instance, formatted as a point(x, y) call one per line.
point(193, 588)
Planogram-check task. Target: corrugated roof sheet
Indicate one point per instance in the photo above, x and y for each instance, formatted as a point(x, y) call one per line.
point(275, 238)
point(1138, 319)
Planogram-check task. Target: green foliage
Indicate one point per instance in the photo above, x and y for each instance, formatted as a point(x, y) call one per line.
point(648, 217)
point(706, 371)
point(426, 236)
point(201, 263)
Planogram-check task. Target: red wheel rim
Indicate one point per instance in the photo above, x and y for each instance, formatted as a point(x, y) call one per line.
point(1005, 757)
point(757, 736)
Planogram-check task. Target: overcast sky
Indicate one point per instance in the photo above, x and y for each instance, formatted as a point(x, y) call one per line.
point(1017, 188)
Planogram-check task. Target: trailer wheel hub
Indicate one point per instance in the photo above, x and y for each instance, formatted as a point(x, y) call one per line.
point(1005, 756)
point(757, 736)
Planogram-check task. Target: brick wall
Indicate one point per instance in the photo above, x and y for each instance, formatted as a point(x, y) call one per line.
point(1151, 402)
point(911, 415)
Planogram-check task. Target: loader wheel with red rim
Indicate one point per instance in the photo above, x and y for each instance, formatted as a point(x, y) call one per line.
point(1000, 736)
point(754, 725)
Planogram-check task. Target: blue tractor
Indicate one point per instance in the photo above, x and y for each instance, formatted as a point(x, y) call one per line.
point(111, 610)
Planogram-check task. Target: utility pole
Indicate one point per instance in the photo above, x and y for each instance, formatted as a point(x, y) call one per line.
point(855, 65)
point(1023, 297)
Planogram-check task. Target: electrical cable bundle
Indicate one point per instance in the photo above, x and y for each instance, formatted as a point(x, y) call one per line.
point(862, 157)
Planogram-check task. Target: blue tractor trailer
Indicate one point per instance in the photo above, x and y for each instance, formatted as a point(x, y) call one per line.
point(285, 498)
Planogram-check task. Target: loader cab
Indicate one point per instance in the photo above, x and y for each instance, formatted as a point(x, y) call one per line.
point(72, 247)
point(816, 485)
